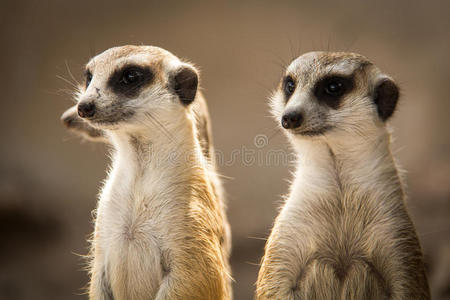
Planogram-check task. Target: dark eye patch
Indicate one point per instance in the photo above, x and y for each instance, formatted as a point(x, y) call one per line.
point(330, 89)
point(88, 76)
point(129, 80)
point(289, 86)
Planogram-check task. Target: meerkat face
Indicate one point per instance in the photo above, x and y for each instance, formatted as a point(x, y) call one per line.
point(124, 86)
point(323, 92)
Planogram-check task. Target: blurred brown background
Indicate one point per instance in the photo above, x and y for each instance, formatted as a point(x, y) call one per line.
point(49, 179)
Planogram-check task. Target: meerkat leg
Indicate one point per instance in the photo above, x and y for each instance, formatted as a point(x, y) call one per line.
point(275, 281)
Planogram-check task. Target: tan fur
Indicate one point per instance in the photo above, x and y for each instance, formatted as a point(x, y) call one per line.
point(343, 232)
point(161, 231)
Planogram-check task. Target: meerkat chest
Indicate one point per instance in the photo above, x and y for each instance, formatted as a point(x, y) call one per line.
point(130, 215)
point(326, 211)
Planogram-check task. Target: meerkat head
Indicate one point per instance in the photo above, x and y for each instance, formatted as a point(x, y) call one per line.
point(323, 93)
point(126, 85)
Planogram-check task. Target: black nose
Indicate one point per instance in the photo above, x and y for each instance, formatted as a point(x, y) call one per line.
point(292, 120)
point(86, 109)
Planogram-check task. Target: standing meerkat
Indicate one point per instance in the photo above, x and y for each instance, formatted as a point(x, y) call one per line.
point(344, 231)
point(160, 228)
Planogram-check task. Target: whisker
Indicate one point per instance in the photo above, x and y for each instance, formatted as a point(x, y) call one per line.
point(275, 132)
point(159, 125)
point(252, 263)
point(67, 81)
point(62, 92)
point(257, 238)
point(222, 176)
point(70, 73)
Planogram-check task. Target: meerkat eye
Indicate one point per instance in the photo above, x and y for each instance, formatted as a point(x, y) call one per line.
point(131, 76)
point(330, 90)
point(88, 78)
point(334, 88)
point(129, 80)
point(288, 86)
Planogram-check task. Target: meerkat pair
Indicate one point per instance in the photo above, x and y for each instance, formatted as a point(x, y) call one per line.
point(161, 230)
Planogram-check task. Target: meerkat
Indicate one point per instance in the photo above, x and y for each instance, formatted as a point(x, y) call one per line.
point(343, 231)
point(160, 229)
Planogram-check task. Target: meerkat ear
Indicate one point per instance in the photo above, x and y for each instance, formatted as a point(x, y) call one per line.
point(184, 82)
point(385, 97)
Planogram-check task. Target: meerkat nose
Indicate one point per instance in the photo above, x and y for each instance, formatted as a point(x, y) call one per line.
point(292, 120)
point(86, 109)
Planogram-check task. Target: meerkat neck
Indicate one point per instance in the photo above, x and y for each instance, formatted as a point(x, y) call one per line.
point(152, 164)
point(338, 165)
point(365, 163)
point(150, 149)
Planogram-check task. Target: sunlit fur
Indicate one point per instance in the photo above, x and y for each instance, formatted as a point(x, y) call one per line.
point(343, 231)
point(160, 229)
